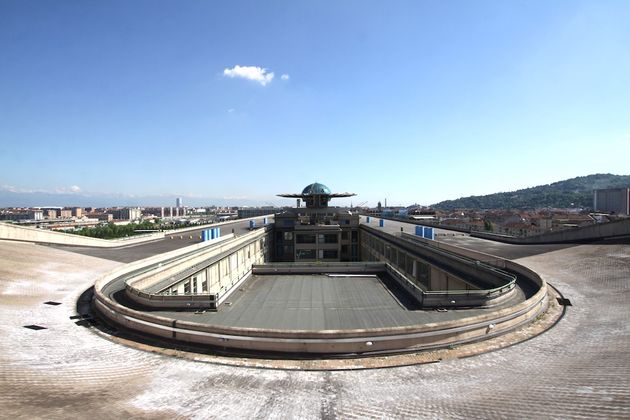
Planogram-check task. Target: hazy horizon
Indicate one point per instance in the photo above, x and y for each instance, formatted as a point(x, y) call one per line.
point(81, 199)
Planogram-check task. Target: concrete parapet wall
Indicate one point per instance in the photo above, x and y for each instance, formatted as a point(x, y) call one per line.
point(314, 268)
point(502, 285)
point(596, 232)
point(415, 337)
point(419, 337)
point(413, 290)
point(134, 287)
point(153, 276)
point(489, 259)
point(29, 234)
point(461, 267)
point(213, 225)
point(153, 261)
point(470, 298)
point(600, 231)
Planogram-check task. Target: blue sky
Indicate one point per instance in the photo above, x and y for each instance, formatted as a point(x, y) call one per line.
point(416, 101)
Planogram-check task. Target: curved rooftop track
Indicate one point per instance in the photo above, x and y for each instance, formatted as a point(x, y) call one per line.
point(578, 369)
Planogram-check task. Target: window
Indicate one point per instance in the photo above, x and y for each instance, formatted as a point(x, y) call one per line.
point(288, 236)
point(355, 236)
point(344, 235)
point(305, 238)
point(194, 285)
point(204, 286)
point(327, 238)
point(423, 274)
point(409, 265)
point(305, 254)
point(187, 287)
point(330, 254)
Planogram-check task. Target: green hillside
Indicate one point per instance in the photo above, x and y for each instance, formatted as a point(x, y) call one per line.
point(575, 192)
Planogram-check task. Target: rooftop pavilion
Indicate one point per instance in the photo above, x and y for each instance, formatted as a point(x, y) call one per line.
point(317, 195)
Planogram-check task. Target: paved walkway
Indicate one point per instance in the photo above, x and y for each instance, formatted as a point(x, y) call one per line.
point(578, 369)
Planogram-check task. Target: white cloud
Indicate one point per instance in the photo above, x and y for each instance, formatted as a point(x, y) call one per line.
point(73, 189)
point(257, 74)
point(285, 77)
point(9, 188)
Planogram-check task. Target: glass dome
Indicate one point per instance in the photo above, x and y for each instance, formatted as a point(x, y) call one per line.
point(316, 188)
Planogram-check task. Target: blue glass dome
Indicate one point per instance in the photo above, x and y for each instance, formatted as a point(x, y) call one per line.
point(316, 188)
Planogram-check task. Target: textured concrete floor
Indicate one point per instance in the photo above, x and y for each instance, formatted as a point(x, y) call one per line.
point(578, 369)
point(320, 302)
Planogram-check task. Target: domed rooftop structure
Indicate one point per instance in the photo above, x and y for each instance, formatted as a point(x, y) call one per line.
point(316, 188)
point(316, 195)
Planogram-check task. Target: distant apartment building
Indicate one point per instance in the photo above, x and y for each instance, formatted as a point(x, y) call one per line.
point(77, 211)
point(103, 217)
point(20, 215)
point(127, 214)
point(245, 212)
point(612, 200)
point(65, 213)
point(50, 213)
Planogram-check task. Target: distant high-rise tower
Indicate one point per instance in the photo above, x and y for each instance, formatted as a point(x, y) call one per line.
point(178, 202)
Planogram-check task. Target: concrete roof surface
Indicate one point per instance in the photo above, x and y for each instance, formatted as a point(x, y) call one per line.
point(320, 302)
point(578, 369)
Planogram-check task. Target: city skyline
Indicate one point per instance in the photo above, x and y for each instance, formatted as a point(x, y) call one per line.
point(413, 102)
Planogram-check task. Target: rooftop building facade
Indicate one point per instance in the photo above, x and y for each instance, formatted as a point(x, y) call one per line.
point(316, 232)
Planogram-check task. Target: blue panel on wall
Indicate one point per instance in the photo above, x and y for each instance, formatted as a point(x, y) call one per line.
point(252, 224)
point(428, 233)
point(368, 219)
point(218, 235)
point(419, 231)
point(265, 221)
point(381, 223)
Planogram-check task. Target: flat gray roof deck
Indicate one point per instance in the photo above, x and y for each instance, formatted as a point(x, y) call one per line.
point(320, 302)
